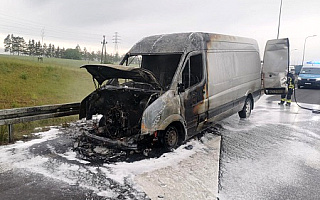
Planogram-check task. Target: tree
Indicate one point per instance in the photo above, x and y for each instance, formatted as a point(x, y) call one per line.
point(62, 52)
point(31, 48)
point(92, 56)
point(52, 51)
point(57, 53)
point(44, 49)
point(78, 48)
point(85, 53)
point(72, 54)
point(18, 44)
point(25, 50)
point(7, 44)
point(49, 50)
point(98, 56)
point(38, 49)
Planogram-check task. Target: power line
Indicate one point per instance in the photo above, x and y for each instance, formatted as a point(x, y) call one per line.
point(12, 21)
point(25, 27)
point(28, 27)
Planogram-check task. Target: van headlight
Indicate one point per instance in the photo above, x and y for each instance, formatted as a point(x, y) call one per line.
point(299, 78)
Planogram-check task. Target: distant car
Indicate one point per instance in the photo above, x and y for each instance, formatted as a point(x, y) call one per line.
point(309, 76)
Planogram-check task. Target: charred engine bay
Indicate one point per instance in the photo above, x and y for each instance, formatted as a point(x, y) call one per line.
point(121, 110)
point(116, 132)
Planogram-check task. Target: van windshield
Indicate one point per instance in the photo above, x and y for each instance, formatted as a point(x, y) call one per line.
point(163, 66)
point(310, 70)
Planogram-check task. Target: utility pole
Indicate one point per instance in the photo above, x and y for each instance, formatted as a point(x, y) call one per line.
point(116, 39)
point(104, 50)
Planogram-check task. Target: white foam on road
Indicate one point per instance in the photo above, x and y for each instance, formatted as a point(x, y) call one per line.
point(18, 156)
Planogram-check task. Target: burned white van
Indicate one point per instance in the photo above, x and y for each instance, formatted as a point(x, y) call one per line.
point(170, 87)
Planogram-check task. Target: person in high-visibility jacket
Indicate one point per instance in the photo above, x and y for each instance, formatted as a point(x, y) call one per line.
point(287, 97)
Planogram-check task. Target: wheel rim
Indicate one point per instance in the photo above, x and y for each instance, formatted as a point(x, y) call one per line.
point(171, 137)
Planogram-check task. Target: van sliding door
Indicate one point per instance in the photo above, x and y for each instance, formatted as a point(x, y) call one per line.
point(275, 66)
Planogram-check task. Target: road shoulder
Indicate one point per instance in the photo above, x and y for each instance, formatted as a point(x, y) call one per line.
point(188, 179)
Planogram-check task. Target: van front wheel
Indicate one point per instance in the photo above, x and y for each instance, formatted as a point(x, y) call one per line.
point(170, 138)
point(246, 110)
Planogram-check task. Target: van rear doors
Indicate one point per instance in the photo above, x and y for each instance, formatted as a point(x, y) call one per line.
point(275, 66)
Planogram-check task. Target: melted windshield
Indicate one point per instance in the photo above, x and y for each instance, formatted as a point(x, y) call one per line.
point(126, 83)
point(162, 66)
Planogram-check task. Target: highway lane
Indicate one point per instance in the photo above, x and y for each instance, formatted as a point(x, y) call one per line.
point(303, 95)
point(275, 154)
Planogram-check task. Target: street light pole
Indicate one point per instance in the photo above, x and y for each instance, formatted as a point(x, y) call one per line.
point(304, 47)
point(291, 56)
point(279, 20)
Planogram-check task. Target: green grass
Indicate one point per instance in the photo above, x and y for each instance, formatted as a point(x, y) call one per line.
point(26, 82)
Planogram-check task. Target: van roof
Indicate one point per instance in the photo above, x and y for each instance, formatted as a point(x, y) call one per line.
point(193, 41)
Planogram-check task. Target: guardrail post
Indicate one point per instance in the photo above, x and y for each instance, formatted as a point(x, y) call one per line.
point(10, 128)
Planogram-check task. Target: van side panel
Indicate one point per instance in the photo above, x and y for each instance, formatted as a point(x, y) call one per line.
point(220, 74)
point(234, 72)
point(247, 77)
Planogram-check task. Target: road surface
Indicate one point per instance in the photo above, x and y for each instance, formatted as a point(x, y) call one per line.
point(275, 154)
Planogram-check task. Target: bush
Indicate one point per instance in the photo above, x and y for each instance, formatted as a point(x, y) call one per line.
point(24, 76)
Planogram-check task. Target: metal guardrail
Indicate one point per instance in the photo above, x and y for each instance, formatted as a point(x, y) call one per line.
point(27, 114)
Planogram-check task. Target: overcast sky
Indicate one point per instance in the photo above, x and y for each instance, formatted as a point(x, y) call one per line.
point(67, 23)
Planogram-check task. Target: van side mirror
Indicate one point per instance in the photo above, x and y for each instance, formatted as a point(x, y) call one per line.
point(181, 88)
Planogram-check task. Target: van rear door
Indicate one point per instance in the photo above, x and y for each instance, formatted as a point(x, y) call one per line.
point(275, 66)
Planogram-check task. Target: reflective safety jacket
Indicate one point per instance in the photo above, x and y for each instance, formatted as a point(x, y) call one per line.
point(290, 81)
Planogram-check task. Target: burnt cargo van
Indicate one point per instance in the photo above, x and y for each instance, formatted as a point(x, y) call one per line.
point(170, 87)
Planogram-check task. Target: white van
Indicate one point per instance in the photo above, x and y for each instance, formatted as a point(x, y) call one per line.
point(170, 87)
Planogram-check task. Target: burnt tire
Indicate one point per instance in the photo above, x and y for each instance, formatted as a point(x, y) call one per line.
point(170, 138)
point(246, 110)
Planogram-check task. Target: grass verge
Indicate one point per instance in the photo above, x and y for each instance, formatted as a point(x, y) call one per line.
point(26, 82)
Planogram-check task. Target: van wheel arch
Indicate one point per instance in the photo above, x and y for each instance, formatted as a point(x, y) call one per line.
point(167, 135)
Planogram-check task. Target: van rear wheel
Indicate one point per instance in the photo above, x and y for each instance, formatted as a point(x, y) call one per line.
point(246, 110)
point(170, 138)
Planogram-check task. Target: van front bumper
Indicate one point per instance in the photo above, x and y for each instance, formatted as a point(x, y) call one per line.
point(123, 143)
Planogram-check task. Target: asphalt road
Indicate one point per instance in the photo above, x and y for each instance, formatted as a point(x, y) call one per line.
point(275, 154)
point(303, 95)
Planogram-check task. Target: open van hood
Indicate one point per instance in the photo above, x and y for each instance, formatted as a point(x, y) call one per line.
point(102, 72)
